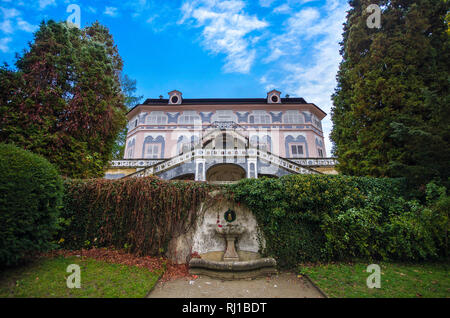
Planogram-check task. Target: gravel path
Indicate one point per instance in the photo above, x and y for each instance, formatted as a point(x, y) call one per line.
point(284, 285)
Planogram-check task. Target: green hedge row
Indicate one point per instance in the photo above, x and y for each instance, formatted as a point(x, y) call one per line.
point(138, 214)
point(324, 218)
point(30, 199)
point(303, 217)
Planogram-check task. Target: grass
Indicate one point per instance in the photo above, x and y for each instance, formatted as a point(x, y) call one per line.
point(397, 280)
point(47, 278)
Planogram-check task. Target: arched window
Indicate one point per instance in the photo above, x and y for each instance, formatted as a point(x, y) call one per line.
point(263, 143)
point(185, 144)
point(130, 149)
point(316, 122)
point(189, 117)
point(153, 147)
point(296, 147)
point(156, 118)
point(320, 147)
point(260, 117)
point(293, 117)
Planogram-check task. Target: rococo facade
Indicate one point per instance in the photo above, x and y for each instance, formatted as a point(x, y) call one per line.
point(223, 139)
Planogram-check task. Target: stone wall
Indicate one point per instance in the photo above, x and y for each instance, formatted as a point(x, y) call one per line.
point(202, 238)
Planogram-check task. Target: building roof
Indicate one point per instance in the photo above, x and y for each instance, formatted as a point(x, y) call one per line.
point(199, 101)
point(222, 101)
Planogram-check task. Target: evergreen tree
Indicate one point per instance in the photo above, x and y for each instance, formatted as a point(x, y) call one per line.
point(391, 105)
point(64, 101)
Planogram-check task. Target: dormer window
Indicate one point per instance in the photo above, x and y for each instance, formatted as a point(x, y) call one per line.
point(273, 97)
point(175, 97)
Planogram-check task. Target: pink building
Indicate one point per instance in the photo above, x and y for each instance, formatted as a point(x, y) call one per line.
point(224, 139)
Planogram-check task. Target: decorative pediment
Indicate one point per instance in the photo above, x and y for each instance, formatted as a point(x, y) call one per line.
point(175, 97)
point(273, 97)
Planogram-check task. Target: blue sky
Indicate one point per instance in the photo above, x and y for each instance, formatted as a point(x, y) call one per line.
point(206, 48)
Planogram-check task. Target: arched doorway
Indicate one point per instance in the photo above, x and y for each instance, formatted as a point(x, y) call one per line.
point(225, 172)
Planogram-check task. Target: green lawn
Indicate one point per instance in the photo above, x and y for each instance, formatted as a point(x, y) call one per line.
point(397, 280)
point(47, 278)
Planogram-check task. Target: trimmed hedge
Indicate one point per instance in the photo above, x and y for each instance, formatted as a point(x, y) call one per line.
point(303, 217)
point(138, 214)
point(30, 198)
point(325, 218)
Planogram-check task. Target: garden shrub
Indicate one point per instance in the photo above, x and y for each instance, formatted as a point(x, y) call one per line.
point(138, 214)
point(31, 192)
point(325, 218)
point(303, 218)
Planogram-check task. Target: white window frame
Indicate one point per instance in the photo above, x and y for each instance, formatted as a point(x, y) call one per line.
point(260, 117)
point(320, 152)
point(155, 150)
point(189, 118)
point(297, 145)
point(156, 118)
point(293, 117)
point(130, 150)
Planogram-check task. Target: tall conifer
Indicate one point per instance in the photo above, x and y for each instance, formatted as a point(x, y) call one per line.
point(391, 105)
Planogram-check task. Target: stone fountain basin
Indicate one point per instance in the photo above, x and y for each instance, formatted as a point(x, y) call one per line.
point(230, 229)
point(250, 265)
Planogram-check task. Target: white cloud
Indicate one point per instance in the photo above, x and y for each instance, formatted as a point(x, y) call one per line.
point(25, 26)
point(9, 13)
point(111, 11)
point(289, 42)
point(226, 30)
point(284, 8)
point(45, 3)
point(13, 21)
point(6, 26)
point(316, 80)
point(266, 3)
point(92, 9)
point(4, 44)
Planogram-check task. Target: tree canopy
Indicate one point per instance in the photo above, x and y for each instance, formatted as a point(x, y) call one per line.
point(391, 104)
point(64, 99)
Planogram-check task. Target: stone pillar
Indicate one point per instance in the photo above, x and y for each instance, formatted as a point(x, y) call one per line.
point(200, 170)
point(230, 252)
point(252, 168)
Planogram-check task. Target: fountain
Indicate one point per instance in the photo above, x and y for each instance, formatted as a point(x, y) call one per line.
point(230, 232)
point(231, 262)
